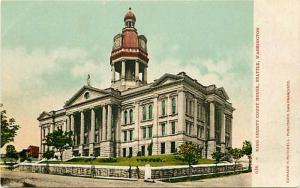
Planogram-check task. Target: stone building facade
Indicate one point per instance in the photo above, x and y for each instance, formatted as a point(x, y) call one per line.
point(136, 116)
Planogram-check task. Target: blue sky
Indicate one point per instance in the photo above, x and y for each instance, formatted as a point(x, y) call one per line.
point(48, 48)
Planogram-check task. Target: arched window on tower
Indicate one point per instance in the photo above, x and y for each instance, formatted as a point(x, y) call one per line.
point(150, 111)
point(130, 116)
point(125, 117)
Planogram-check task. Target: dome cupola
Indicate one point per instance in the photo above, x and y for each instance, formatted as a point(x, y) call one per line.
point(129, 57)
point(129, 18)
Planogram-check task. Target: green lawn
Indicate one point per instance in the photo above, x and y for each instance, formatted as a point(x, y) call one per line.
point(166, 160)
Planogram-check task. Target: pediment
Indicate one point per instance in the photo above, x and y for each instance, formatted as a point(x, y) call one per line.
point(44, 115)
point(166, 79)
point(86, 93)
point(221, 92)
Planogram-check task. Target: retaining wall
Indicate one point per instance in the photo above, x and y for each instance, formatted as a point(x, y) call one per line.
point(123, 171)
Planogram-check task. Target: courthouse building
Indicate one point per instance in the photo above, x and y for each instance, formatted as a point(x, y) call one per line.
point(134, 115)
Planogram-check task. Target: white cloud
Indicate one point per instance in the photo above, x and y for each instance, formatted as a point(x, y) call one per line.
point(25, 90)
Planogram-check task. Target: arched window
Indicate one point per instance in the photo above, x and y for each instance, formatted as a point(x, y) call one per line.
point(130, 116)
point(163, 107)
point(144, 113)
point(150, 111)
point(173, 105)
point(125, 117)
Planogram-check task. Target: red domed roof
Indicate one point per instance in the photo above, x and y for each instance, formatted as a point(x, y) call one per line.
point(129, 15)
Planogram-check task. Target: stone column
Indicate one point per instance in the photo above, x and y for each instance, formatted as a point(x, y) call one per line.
point(145, 74)
point(41, 143)
point(211, 140)
point(137, 69)
point(230, 134)
point(81, 132)
point(72, 127)
point(103, 123)
point(222, 130)
point(109, 121)
point(118, 132)
point(113, 76)
point(92, 135)
point(123, 71)
point(52, 127)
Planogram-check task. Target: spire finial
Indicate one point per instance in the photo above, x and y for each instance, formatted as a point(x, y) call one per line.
point(88, 80)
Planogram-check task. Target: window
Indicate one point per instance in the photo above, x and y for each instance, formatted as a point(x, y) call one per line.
point(186, 127)
point(44, 133)
point(143, 150)
point(130, 116)
point(190, 107)
point(144, 113)
point(96, 138)
point(163, 107)
point(150, 111)
point(162, 148)
point(150, 132)
point(163, 129)
point(191, 129)
point(125, 136)
point(124, 152)
point(130, 151)
point(173, 127)
point(202, 132)
point(144, 132)
point(198, 131)
point(131, 135)
point(202, 113)
point(173, 147)
point(87, 95)
point(125, 117)
point(173, 105)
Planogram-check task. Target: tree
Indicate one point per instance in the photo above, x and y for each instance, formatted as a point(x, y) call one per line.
point(11, 152)
point(23, 155)
point(217, 156)
point(9, 128)
point(236, 154)
point(189, 152)
point(49, 154)
point(247, 150)
point(60, 140)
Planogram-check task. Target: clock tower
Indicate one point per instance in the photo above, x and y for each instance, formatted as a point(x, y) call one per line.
point(129, 57)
